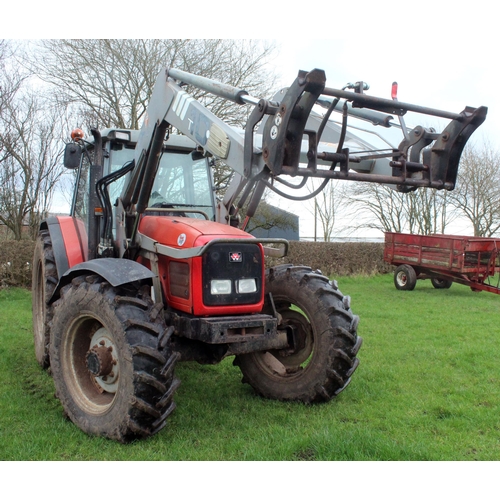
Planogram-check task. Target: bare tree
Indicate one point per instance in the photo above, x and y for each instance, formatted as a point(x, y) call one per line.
point(29, 154)
point(327, 205)
point(383, 207)
point(477, 195)
point(31, 165)
point(111, 81)
point(428, 211)
point(12, 77)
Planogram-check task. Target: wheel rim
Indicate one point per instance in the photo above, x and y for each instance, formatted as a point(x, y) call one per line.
point(290, 363)
point(90, 365)
point(401, 278)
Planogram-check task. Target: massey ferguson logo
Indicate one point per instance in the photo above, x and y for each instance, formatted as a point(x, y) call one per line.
point(235, 257)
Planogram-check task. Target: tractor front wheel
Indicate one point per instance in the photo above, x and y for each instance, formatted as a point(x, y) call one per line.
point(323, 359)
point(111, 363)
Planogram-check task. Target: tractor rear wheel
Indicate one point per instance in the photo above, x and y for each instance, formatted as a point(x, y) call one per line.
point(325, 330)
point(44, 281)
point(111, 361)
point(405, 277)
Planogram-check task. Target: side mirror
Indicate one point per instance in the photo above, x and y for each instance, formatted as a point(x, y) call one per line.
point(72, 155)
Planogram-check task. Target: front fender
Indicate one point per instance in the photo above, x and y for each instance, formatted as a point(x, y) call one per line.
point(116, 272)
point(69, 241)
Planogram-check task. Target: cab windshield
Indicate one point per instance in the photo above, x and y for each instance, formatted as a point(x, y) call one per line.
point(183, 181)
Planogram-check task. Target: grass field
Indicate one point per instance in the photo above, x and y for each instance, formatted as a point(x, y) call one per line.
point(427, 388)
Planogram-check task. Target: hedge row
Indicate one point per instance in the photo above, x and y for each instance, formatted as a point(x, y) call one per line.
point(337, 259)
point(333, 259)
point(16, 263)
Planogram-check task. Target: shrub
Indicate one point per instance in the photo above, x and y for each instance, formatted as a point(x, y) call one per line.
point(337, 259)
point(16, 263)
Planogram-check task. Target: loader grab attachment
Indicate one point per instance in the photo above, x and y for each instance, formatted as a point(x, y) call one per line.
point(424, 158)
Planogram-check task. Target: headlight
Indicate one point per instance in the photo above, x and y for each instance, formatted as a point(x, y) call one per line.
point(246, 286)
point(220, 287)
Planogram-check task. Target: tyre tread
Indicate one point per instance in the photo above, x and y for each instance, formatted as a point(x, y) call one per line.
point(50, 278)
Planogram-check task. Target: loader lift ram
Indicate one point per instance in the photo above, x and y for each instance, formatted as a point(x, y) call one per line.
point(150, 269)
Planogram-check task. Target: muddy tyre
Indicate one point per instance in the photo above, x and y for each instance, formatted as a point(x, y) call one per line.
point(405, 278)
point(324, 358)
point(111, 362)
point(44, 281)
point(441, 283)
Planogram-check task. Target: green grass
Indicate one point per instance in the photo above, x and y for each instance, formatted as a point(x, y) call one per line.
point(427, 388)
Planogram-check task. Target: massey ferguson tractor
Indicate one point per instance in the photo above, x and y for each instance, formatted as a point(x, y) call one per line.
point(150, 269)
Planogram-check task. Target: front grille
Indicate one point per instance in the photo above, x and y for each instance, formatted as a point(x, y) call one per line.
point(232, 261)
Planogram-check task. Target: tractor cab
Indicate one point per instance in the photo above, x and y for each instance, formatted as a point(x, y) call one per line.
point(183, 185)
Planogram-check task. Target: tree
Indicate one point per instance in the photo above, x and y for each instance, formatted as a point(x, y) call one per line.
point(427, 211)
point(29, 152)
point(11, 77)
point(111, 81)
point(327, 205)
point(477, 195)
point(423, 211)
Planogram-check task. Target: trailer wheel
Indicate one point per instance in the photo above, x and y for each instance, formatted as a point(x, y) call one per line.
point(111, 361)
point(44, 281)
point(405, 277)
point(441, 283)
point(324, 359)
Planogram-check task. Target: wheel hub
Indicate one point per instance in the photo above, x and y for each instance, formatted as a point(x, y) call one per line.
point(402, 279)
point(101, 362)
point(302, 339)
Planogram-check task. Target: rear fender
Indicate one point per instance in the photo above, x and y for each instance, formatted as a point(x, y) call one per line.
point(116, 272)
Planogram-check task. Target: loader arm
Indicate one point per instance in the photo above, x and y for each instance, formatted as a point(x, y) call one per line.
point(288, 137)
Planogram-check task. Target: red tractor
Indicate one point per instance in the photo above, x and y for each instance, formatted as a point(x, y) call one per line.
point(149, 269)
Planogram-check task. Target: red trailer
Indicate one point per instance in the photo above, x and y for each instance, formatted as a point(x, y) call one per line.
point(444, 259)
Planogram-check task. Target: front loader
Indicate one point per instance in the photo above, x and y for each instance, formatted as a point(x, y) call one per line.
point(150, 269)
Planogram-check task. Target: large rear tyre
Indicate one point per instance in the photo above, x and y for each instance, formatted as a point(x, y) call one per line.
point(112, 366)
point(405, 277)
point(324, 358)
point(44, 281)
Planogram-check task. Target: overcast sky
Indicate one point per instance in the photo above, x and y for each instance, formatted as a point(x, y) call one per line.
point(427, 74)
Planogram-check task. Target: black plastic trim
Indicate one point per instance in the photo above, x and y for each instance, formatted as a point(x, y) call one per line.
point(116, 272)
